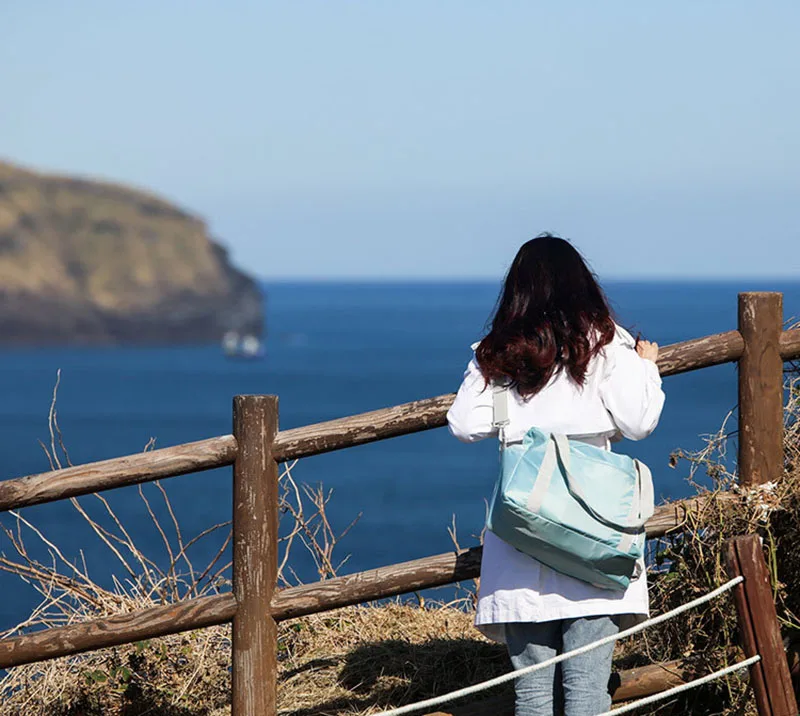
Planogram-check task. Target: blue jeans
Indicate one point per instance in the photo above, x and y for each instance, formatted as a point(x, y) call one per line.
point(575, 687)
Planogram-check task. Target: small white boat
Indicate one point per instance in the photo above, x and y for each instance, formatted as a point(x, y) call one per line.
point(250, 347)
point(230, 343)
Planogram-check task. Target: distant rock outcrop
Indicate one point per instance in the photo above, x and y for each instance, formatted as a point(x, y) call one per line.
point(92, 262)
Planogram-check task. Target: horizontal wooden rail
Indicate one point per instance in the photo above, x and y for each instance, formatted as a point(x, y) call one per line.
point(363, 428)
point(116, 630)
point(432, 412)
point(118, 472)
point(330, 594)
point(380, 583)
point(700, 353)
point(321, 437)
point(371, 585)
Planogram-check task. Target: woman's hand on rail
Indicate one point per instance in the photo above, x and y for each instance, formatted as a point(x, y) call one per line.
point(647, 350)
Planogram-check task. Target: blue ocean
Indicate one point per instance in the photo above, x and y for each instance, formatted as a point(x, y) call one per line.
point(333, 349)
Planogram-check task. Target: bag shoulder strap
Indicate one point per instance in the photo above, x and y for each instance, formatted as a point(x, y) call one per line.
point(500, 418)
point(647, 490)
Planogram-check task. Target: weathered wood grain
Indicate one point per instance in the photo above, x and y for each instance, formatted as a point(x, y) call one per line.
point(118, 472)
point(364, 428)
point(790, 344)
point(378, 583)
point(760, 388)
point(112, 631)
point(759, 629)
point(700, 353)
point(254, 650)
point(643, 681)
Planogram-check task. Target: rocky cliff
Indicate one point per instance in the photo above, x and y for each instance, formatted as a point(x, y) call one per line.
point(93, 262)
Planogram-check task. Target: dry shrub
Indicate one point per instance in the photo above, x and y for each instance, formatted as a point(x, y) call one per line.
point(690, 563)
point(178, 675)
point(164, 676)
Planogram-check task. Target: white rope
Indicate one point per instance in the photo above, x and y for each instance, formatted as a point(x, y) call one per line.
point(683, 687)
point(497, 680)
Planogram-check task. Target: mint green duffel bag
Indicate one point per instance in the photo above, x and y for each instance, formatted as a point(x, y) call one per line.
point(574, 507)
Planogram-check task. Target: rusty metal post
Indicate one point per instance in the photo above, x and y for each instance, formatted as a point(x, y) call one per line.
point(760, 388)
point(255, 556)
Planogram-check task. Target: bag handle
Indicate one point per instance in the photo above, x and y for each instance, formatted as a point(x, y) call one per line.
point(644, 487)
point(643, 504)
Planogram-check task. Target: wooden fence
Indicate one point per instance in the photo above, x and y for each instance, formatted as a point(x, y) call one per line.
point(257, 446)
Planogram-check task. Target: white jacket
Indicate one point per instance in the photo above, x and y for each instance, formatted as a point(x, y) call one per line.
point(621, 396)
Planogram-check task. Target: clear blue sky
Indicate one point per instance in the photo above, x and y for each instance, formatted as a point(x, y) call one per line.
point(419, 138)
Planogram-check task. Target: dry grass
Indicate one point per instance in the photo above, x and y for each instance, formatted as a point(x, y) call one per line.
point(361, 660)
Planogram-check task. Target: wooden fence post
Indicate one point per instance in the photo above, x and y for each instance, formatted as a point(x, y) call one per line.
point(758, 625)
point(255, 556)
point(760, 388)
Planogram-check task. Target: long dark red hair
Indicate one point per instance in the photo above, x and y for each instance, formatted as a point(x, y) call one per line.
point(552, 315)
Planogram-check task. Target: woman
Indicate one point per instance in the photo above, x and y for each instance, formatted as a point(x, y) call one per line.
point(573, 371)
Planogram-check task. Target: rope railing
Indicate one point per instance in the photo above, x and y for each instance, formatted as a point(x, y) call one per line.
point(511, 676)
